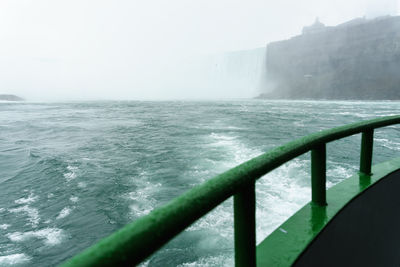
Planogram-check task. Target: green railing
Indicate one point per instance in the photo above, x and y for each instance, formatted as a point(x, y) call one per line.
point(136, 241)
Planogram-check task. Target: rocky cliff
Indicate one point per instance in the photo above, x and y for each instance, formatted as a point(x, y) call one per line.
point(359, 59)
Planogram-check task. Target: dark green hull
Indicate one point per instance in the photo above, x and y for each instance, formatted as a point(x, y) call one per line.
point(359, 226)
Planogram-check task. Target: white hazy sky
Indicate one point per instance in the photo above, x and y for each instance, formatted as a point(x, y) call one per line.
point(119, 49)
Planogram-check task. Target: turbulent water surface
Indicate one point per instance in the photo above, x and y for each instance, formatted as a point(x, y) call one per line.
point(72, 173)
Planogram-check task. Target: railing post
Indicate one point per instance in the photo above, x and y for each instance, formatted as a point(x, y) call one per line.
point(367, 144)
point(318, 175)
point(245, 226)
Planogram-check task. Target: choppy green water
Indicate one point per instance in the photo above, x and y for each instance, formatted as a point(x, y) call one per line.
point(72, 173)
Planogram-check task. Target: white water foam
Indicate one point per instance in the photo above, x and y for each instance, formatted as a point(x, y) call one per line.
point(279, 194)
point(31, 213)
point(234, 151)
point(221, 218)
point(210, 262)
point(65, 212)
point(28, 200)
point(141, 200)
point(386, 114)
point(352, 113)
point(50, 236)
point(71, 175)
point(14, 259)
point(74, 199)
point(390, 144)
point(4, 226)
point(338, 172)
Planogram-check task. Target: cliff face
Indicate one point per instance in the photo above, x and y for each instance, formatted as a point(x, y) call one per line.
point(356, 60)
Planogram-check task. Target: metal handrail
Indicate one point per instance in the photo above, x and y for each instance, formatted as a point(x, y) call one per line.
point(139, 239)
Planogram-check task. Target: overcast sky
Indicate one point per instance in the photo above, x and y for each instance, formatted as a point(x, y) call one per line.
point(99, 49)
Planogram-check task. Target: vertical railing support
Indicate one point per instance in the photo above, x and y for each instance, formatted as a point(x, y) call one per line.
point(245, 226)
point(318, 175)
point(367, 144)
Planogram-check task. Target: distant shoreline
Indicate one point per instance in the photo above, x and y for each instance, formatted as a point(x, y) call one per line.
point(5, 97)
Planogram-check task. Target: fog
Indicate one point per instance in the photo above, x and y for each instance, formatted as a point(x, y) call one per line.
point(96, 49)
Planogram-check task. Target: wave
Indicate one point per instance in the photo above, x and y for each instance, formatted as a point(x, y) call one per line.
point(4, 226)
point(64, 213)
point(71, 174)
point(74, 199)
point(50, 236)
point(31, 213)
point(28, 200)
point(141, 201)
point(14, 259)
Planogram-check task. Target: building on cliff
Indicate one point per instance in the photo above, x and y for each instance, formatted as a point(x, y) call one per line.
point(359, 59)
point(314, 28)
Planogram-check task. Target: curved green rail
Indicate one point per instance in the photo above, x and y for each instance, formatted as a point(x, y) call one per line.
point(139, 239)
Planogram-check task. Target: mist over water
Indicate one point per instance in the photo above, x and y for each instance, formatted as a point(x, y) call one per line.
point(72, 173)
point(131, 50)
